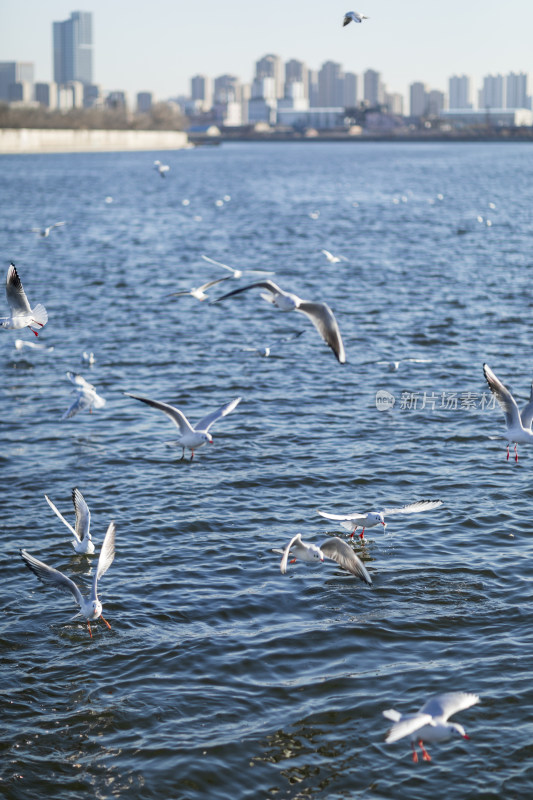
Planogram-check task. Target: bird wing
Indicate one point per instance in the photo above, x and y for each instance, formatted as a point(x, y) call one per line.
point(527, 412)
point(107, 555)
point(324, 321)
point(213, 283)
point(83, 515)
point(52, 576)
point(341, 517)
point(218, 263)
point(57, 225)
point(16, 296)
point(346, 21)
point(504, 397)
point(80, 402)
point(407, 725)
point(62, 518)
point(342, 553)
point(206, 422)
point(283, 563)
point(97, 401)
point(444, 705)
point(79, 381)
point(177, 416)
point(413, 508)
point(270, 286)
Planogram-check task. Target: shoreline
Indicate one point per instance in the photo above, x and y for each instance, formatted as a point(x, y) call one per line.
point(26, 141)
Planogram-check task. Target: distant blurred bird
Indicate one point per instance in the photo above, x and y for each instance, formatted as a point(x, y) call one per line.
point(430, 723)
point(22, 315)
point(85, 396)
point(161, 168)
point(88, 358)
point(237, 273)
point(331, 258)
point(21, 344)
point(45, 232)
point(353, 16)
point(198, 292)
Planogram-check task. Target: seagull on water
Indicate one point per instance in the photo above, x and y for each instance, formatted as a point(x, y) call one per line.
point(353, 16)
point(85, 396)
point(199, 292)
point(334, 549)
point(331, 258)
point(355, 520)
point(45, 232)
point(237, 273)
point(90, 608)
point(88, 358)
point(430, 723)
point(394, 366)
point(191, 437)
point(320, 314)
point(518, 425)
point(162, 169)
point(82, 542)
point(22, 315)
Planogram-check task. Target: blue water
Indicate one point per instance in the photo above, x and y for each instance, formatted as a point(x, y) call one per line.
point(220, 677)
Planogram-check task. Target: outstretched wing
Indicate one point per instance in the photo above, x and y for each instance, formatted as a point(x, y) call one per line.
point(342, 553)
point(107, 555)
point(16, 296)
point(527, 412)
point(83, 515)
point(444, 705)
point(413, 508)
point(81, 401)
point(177, 416)
point(504, 397)
point(341, 517)
point(51, 576)
point(407, 725)
point(206, 422)
point(62, 518)
point(283, 563)
point(324, 321)
point(270, 286)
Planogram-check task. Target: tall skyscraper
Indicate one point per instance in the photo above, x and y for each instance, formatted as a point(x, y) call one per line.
point(460, 91)
point(418, 99)
point(331, 85)
point(373, 89)
point(350, 90)
point(202, 91)
point(14, 72)
point(296, 72)
point(73, 48)
point(271, 66)
point(516, 90)
point(492, 95)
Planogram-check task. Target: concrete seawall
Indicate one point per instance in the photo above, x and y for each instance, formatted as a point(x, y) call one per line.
point(35, 140)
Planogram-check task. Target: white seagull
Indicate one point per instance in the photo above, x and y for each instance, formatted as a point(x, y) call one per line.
point(45, 232)
point(22, 315)
point(334, 549)
point(91, 608)
point(237, 273)
point(394, 366)
point(162, 169)
point(353, 16)
point(88, 358)
point(191, 437)
point(85, 396)
point(320, 314)
point(518, 425)
point(331, 258)
point(82, 542)
point(20, 344)
point(199, 292)
point(430, 723)
point(355, 520)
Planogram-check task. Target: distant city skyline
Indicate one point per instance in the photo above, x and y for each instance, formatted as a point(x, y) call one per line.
point(161, 50)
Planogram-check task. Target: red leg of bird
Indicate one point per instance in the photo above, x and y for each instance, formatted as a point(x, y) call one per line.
point(292, 561)
point(192, 454)
point(425, 754)
point(35, 332)
point(362, 534)
point(415, 755)
point(90, 631)
point(507, 452)
point(515, 454)
point(106, 622)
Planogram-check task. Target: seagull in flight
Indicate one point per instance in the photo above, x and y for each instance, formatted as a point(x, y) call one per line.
point(353, 16)
point(162, 169)
point(45, 232)
point(22, 315)
point(517, 424)
point(199, 292)
point(20, 344)
point(320, 314)
point(353, 521)
point(82, 542)
point(430, 723)
point(334, 549)
point(85, 396)
point(191, 437)
point(90, 608)
point(331, 258)
point(237, 273)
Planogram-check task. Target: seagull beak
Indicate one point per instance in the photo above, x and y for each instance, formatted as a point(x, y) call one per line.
point(384, 524)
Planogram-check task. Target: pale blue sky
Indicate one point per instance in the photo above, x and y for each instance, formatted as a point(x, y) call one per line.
point(158, 45)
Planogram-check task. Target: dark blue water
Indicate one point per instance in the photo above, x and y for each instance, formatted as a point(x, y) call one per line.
point(222, 678)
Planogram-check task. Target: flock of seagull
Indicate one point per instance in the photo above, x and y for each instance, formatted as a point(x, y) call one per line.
point(428, 725)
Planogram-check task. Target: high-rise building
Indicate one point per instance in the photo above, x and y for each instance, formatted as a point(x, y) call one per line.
point(394, 102)
point(296, 72)
point(145, 101)
point(516, 90)
point(331, 85)
point(460, 92)
point(227, 89)
point(202, 91)
point(418, 99)
point(271, 66)
point(373, 89)
point(350, 90)
point(14, 72)
point(492, 94)
point(436, 102)
point(46, 94)
point(73, 48)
